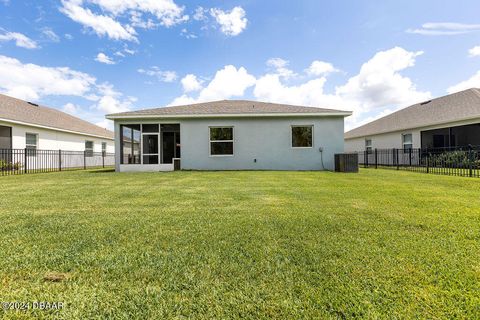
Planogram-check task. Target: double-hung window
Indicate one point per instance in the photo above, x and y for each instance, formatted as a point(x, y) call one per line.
point(88, 148)
point(407, 141)
point(368, 145)
point(104, 148)
point(221, 141)
point(302, 136)
point(31, 144)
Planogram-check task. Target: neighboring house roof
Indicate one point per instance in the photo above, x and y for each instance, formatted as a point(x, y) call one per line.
point(231, 108)
point(22, 112)
point(458, 106)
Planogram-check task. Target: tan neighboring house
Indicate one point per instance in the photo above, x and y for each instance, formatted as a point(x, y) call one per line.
point(446, 122)
point(27, 125)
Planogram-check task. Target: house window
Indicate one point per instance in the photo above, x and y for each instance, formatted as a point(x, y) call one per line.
point(302, 136)
point(407, 141)
point(88, 148)
point(31, 144)
point(368, 145)
point(104, 147)
point(221, 141)
point(130, 144)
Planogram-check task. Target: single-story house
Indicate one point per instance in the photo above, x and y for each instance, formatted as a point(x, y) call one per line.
point(451, 121)
point(26, 125)
point(228, 135)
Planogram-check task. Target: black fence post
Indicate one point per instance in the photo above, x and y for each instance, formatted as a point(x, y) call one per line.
point(410, 157)
point(397, 160)
point(25, 160)
point(470, 161)
point(59, 160)
point(427, 160)
point(85, 160)
point(376, 158)
point(365, 163)
point(103, 159)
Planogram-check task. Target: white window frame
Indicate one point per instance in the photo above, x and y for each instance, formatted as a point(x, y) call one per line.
point(369, 147)
point(31, 153)
point(301, 125)
point(210, 142)
point(93, 148)
point(403, 140)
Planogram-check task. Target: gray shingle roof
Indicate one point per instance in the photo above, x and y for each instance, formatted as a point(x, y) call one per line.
point(227, 107)
point(18, 110)
point(453, 107)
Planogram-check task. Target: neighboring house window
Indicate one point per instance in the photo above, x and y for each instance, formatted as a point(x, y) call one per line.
point(221, 141)
point(368, 145)
point(31, 144)
point(104, 147)
point(302, 136)
point(407, 141)
point(89, 148)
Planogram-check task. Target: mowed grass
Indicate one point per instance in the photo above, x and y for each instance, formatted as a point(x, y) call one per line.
point(378, 244)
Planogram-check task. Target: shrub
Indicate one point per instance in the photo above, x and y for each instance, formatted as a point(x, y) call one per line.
point(10, 166)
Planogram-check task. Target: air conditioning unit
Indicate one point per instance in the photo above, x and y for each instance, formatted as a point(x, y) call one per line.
point(346, 162)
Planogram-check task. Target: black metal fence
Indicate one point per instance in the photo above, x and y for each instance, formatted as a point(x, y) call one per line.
point(457, 162)
point(23, 161)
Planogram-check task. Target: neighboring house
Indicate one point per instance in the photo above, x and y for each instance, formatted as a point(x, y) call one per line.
point(229, 135)
point(28, 125)
point(446, 122)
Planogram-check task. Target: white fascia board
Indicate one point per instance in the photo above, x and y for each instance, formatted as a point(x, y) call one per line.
point(233, 115)
point(54, 129)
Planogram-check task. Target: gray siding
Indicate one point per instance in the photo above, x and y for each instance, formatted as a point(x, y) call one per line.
point(266, 139)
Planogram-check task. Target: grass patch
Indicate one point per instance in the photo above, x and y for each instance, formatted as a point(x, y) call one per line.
point(288, 245)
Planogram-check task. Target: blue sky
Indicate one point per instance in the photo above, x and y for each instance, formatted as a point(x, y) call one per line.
point(92, 57)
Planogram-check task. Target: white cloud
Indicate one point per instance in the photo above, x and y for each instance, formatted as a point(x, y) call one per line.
point(280, 67)
point(50, 34)
point(166, 12)
point(189, 35)
point(102, 25)
point(228, 82)
point(70, 108)
point(163, 76)
point(113, 101)
point(68, 36)
point(320, 68)
point(233, 22)
point(472, 82)
point(378, 88)
point(20, 39)
point(474, 52)
point(379, 83)
point(103, 58)
point(31, 82)
point(200, 14)
point(445, 28)
point(191, 83)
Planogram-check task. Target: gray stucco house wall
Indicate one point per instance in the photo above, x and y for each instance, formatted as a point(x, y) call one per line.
point(268, 140)
point(260, 141)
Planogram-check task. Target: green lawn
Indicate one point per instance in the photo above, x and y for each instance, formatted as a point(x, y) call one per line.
point(241, 244)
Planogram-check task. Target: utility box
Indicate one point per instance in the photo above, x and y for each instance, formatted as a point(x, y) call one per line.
point(346, 162)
